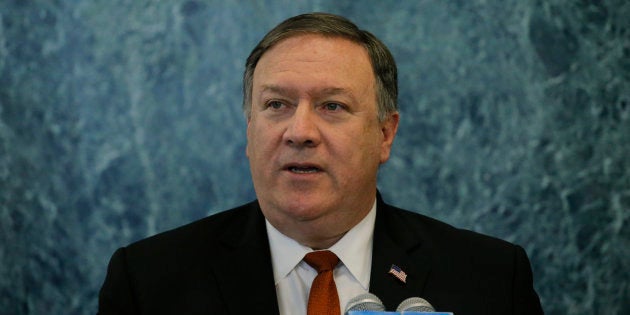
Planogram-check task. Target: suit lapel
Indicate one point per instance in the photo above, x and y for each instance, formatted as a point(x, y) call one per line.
point(243, 268)
point(394, 243)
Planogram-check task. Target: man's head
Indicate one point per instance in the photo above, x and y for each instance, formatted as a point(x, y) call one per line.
point(315, 133)
point(330, 25)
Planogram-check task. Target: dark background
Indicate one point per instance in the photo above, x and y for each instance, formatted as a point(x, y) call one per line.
point(121, 119)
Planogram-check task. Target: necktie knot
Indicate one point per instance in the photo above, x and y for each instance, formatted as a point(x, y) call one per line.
point(321, 261)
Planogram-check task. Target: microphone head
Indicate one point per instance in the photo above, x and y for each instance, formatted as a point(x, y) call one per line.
point(415, 304)
point(365, 302)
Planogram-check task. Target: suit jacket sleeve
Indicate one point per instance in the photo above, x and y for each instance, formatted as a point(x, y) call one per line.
point(116, 296)
point(526, 300)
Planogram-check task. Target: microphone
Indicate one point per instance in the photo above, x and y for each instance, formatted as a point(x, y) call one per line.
point(415, 304)
point(370, 304)
point(365, 302)
point(418, 306)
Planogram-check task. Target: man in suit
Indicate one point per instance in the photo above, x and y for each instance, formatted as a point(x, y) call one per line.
point(320, 100)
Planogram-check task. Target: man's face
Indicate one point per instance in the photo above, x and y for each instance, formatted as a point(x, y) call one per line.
point(314, 141)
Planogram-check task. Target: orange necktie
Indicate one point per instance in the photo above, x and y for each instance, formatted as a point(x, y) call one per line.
point(323, 298)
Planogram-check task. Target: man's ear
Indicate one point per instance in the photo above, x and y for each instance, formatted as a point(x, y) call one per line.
point(388, 128)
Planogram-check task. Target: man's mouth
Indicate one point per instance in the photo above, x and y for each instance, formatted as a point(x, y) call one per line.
point(303, 169)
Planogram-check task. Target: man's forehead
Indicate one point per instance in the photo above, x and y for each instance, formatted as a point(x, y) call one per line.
point(337, 62)
point(313, 35)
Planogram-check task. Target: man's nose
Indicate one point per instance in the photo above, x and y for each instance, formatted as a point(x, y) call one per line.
point(303, 128)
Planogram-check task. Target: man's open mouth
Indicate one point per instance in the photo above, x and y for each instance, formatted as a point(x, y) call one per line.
point(303, 170)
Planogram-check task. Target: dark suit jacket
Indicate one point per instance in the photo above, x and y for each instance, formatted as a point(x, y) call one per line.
point(222, 265)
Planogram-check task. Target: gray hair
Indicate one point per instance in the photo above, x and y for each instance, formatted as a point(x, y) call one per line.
point(325, 24)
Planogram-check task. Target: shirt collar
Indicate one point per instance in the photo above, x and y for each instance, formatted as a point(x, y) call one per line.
point(354, 249)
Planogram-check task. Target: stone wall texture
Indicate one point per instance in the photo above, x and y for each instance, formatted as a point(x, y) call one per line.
point(122, 118)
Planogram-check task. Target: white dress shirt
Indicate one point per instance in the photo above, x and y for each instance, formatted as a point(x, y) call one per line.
point(293, 277)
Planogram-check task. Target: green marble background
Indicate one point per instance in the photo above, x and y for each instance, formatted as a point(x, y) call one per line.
point(121, 119)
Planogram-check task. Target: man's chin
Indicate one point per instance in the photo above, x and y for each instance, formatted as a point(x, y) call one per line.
point(305, 211)
point(304, 207)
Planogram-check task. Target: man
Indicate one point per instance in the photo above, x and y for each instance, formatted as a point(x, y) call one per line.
point(320, 100)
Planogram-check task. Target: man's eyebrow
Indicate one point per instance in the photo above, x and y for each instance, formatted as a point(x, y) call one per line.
point(334, 91)
point(345, 94)
point(274, 89)
point(328, 91)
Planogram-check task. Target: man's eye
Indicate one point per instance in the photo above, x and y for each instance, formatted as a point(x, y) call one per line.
point(332, 106)
point(274, 105)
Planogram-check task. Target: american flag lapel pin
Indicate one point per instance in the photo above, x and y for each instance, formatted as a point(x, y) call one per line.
point(398, 273)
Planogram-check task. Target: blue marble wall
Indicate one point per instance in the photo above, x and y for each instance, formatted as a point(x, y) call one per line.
point(120, 119)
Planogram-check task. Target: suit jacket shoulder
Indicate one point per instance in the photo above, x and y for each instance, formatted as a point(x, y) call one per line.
point(210, 266)
point(454, 269)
